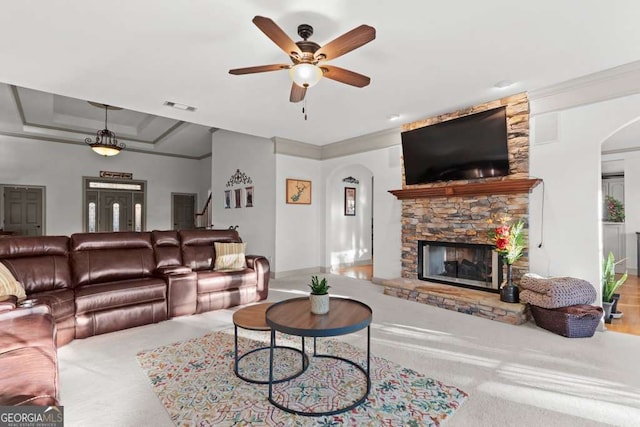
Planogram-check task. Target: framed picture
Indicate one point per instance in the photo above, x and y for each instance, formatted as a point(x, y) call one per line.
point(238, 193)
point(349, 201)
point(249, 193)
point(227, 199)
point(298, 192)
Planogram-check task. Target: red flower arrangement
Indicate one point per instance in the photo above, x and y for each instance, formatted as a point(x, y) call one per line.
point(508, 238)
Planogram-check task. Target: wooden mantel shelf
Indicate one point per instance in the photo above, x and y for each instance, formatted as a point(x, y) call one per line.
point(507, 186)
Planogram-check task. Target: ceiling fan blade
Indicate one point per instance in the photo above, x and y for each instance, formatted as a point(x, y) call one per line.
point(297, 93)
point(346, 43)
point(259, 69)
point(345, 76)
point(279, 37)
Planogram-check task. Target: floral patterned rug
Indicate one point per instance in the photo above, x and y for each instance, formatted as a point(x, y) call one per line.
point(195, 382)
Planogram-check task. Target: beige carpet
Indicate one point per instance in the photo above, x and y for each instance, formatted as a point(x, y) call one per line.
point(515, 375)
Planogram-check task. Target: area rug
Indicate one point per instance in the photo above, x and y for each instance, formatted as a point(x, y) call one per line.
point(195, 382)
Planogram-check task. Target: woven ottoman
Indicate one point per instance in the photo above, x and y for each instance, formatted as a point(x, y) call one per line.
point(574, 321)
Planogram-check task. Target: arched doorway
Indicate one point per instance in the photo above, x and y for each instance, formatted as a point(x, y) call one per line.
point(620, 161)
point(349, 226)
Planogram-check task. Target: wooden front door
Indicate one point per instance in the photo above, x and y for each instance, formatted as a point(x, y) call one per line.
point(116, 211)
point(23, 210)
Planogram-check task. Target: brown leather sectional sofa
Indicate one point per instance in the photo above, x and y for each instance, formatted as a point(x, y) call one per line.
point(94, 283)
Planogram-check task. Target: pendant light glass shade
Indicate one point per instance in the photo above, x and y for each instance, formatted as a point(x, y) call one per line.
point(305, 75)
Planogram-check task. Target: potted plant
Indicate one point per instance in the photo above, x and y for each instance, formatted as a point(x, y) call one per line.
point(319, 295)
point(508, 240)
point(610, 284)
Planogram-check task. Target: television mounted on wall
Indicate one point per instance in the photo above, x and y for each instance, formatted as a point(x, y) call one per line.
point(469, 147)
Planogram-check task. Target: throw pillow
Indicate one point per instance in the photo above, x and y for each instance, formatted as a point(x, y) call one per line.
point(9, 285)
point(229, 256)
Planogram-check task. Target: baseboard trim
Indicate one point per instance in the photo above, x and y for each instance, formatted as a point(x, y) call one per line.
point(378, 280)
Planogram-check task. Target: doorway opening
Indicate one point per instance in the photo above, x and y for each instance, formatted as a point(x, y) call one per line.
point(23, 210)
point(113, 205)
point(183, 211)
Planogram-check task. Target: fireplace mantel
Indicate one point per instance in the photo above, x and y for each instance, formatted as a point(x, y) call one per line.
point(507, 186)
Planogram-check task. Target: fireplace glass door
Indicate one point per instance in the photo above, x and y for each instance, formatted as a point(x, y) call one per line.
point(460, 264)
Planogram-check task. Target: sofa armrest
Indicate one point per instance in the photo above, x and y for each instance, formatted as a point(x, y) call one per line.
point(25, 311)
point(8, 303)
point(172, 269)
point(261, 266)
point(182, 292)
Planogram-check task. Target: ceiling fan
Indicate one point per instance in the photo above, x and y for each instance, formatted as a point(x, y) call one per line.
point(308, 57)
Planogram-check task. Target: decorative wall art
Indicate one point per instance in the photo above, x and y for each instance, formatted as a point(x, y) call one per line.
point(351, 180)
point(249, 193)
point(350, 201)
point(227, 199)
point(298, 192)
point(239, 178)
point(238, 197)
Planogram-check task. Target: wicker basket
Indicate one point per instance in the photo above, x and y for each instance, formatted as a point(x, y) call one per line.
point(575, 321)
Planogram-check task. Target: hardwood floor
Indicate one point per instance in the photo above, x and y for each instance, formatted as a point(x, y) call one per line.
point(364, 272)
point(629, 305)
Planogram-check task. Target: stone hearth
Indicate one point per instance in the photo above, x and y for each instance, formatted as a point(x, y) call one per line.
point(469, 301)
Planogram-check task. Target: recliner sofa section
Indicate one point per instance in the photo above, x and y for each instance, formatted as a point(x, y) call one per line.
point(115, 286)
point(222, 289)
point(41, 264)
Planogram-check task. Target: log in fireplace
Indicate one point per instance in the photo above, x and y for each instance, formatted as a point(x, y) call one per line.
point(467, 265)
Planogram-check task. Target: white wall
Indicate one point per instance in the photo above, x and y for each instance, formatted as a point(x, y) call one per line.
point(348, 238)
point(299, 228)
point(253, 156)
point(60, 167)
point(385, 164)
point(571, 169)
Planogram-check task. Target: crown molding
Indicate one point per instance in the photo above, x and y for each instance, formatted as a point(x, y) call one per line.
point(296, 148)
point(72, 142)
point(612, 83)
point(360, 144)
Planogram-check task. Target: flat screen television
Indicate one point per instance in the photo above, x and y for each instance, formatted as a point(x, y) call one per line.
point(470, 147)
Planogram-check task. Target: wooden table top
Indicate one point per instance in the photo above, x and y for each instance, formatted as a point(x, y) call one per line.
point(252, 317)
point(294, 317)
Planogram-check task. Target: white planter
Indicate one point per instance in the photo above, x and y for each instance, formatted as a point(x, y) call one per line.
point(319, 303)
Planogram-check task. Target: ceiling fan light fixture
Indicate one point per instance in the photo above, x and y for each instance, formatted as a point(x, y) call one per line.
point(305, 75)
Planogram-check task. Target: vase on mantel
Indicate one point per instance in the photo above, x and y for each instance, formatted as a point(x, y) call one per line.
point(509, 292)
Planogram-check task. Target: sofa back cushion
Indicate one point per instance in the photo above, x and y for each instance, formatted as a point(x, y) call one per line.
point(166, 246)
point(40, 263)
point(197, 246)
point(109, 257)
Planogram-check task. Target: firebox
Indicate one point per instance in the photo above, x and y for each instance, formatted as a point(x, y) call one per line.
point(467, 265)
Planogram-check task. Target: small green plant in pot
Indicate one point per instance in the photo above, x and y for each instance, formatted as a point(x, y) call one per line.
point(609, 283)
point(319, 295)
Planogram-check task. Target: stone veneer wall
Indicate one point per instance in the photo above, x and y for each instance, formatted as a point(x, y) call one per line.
point(464, 219)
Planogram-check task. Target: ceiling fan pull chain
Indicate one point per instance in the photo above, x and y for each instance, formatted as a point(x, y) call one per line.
point(304, 108)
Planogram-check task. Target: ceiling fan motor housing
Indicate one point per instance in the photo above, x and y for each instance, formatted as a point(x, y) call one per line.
point(305, 31)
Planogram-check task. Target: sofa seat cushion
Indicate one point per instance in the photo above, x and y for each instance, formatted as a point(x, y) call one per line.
point(214, 281)
point(60, 301)
point(109, 295)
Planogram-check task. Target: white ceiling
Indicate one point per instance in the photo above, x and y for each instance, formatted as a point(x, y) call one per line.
point(428, 58)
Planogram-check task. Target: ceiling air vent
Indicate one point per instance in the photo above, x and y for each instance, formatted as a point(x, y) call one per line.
point(179, 106)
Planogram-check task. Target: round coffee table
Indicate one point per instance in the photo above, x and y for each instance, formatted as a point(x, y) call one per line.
point(253, 318)
point(294, 317)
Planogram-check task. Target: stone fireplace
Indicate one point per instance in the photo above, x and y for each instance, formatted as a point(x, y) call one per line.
point(447, 214)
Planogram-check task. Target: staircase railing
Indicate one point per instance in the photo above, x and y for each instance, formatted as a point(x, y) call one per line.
point(204, 219)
